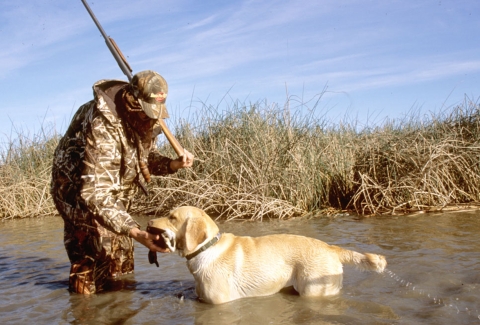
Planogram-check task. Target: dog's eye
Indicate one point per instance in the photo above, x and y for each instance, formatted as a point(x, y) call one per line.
point(172, 218)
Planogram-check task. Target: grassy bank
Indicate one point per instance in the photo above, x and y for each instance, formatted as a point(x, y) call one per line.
point(264, 161)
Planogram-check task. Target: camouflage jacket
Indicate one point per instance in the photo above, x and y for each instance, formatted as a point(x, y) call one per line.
point(95, 171)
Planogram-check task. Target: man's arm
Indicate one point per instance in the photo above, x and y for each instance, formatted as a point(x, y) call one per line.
point(146, 239)
point(160, 165)
point(101, 177)
point(101, 183)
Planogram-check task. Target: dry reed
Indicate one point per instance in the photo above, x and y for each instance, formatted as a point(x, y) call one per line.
point(261, 161)
point(25, 173)
point(416, 166)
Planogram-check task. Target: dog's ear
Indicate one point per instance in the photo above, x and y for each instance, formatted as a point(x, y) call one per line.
point(195, 233)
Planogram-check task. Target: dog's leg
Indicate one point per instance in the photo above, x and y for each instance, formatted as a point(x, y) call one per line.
point(318, 284)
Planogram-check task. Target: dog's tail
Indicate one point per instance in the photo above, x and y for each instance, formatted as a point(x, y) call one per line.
point(364, 262)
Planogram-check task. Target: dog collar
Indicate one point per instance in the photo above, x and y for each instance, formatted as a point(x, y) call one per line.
point(204, 247)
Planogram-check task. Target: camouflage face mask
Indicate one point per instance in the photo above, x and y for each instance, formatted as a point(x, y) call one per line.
point(151, 91)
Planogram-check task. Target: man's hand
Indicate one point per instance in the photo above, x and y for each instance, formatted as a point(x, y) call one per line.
point(184, 161)
point(146, 239)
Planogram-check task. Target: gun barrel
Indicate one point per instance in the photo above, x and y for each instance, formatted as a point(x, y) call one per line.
point(111, 46)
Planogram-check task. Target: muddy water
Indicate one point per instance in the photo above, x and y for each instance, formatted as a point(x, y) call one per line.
point(433, 277)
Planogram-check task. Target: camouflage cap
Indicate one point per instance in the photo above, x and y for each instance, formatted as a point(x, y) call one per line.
point(151, 90)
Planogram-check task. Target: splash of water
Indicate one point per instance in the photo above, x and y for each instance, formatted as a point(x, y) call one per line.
point(423, 293)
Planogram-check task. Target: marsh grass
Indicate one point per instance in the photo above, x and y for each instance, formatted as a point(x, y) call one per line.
point(260, 161)
point(256, 161)
point(25, 173)
point(415, 166)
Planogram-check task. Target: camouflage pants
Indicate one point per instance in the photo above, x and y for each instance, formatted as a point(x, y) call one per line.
point(96, 255)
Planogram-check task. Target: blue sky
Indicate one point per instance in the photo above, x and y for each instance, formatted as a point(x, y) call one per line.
point(371, 59)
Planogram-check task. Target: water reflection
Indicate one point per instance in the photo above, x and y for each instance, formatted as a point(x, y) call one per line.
point(432, 277)
point(288, 308)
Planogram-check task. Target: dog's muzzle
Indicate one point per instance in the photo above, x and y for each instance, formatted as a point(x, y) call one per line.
point(167, 240)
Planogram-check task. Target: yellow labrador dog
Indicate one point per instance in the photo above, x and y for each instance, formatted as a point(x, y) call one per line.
point(228, 267)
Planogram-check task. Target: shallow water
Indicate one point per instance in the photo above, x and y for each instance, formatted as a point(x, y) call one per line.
point(433, 277)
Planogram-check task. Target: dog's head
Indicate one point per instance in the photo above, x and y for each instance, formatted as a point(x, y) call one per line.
point(185, 229)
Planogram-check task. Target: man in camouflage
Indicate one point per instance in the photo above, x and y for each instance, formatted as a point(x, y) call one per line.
point(96, 174)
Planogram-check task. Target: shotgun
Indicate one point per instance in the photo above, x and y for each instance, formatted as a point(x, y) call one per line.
point(127, 70)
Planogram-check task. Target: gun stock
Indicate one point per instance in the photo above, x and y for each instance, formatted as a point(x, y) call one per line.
point(173, 141)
